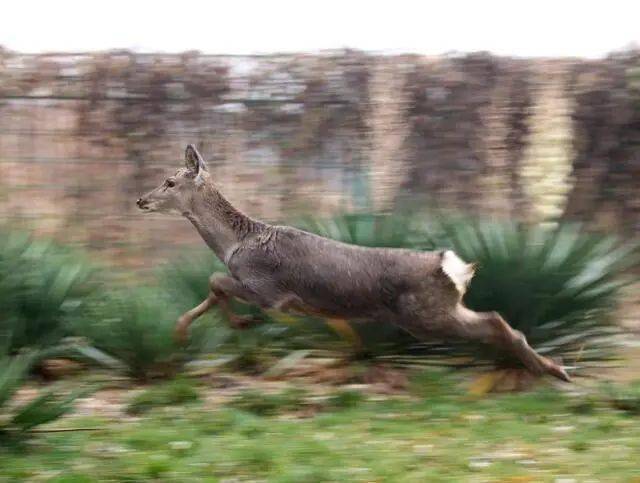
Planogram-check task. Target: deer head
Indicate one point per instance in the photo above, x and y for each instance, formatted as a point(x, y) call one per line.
point(175, 194)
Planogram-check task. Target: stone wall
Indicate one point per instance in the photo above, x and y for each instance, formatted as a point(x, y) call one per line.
point(82, 135)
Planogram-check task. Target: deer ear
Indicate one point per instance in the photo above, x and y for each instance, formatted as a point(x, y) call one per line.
point(193, 159)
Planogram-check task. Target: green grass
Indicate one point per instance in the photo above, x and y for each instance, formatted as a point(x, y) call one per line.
point(626, 398)
point(262, 404)
point(446, 436)
point(177, 391)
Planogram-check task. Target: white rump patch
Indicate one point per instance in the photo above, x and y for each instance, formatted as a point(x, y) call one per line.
point(459, 271)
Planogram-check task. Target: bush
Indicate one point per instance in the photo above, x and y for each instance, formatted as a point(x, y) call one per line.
point(136, 327)
point(41, 285)
point(178, 391)
point(372, 230)
point(557, 285)
point(16, 420)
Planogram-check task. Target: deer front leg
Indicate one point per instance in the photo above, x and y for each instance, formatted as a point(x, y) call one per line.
point(224, 289)
point(187, 318)
point(221, 289)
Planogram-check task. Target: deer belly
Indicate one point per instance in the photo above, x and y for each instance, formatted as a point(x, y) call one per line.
point(342, 300)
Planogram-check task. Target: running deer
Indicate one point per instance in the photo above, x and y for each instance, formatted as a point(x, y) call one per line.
point(286, 269)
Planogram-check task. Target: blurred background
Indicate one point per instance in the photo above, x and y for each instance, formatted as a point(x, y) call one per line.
point(536, 138)
point(510, 133)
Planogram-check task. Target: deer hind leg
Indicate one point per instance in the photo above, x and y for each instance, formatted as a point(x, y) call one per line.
point(492, 329)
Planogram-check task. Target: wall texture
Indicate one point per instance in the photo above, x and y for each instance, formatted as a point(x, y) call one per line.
point(82, 135)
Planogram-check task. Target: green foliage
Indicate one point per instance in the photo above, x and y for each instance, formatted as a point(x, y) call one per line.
point(136, 327)
point(345, 399)
point(41, 285)
point(431, 383)
point(625, 397)
point(177, 391)
point(558, 285)
point(387, 439)
point(294, 400)
point(16, 420)
point(371, 230)
point(585, 405)
point(269, 404)
point(187, 277)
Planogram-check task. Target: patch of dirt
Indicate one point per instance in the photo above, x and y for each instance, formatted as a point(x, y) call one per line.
point(108, 403)
point(318, 377)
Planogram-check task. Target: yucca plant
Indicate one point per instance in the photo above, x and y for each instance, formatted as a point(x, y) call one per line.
point(18, 419)
point(135, 327)
point(371, 230)
point(557, 284)
point(41, 285)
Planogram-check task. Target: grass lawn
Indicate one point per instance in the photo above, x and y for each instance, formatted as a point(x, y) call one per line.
point(437, 433)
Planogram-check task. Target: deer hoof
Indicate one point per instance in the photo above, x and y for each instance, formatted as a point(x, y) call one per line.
point(245, 322)
point(556, 370)
point(180, 334)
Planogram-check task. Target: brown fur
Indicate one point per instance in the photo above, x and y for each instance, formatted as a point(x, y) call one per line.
point(283, 268)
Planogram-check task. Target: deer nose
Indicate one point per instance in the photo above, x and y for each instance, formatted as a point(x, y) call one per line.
point(139, 202)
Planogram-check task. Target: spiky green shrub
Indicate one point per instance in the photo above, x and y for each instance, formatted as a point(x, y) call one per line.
point(17, 419)
point(42, 284)
point(558, 285)
point(372, 230)
point(136, 327)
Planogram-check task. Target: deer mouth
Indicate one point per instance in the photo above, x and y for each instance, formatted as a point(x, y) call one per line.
point(147, 208)
point(143, 205)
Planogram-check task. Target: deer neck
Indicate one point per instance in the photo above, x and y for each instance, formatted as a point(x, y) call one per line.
point(222, 226)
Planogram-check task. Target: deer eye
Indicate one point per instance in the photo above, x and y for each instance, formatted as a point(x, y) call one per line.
point(170, 183)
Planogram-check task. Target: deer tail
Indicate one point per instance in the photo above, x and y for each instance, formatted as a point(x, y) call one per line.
point(456, 270)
